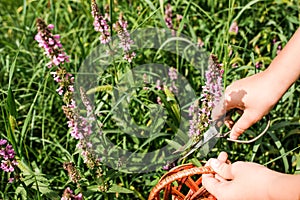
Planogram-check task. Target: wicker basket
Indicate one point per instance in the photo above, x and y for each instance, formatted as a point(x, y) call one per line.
point(183, 182)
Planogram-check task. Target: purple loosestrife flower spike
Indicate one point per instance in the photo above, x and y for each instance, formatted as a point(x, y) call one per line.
point(50, 43)
point(213, 82)
point(72, 171)
point(61, 76)
point(168, 16)
point(7, 154)
point(100, 24)
point(53, 49)
point(125, 41)
point(81, 127)
point(173, 75)
point(201, 110)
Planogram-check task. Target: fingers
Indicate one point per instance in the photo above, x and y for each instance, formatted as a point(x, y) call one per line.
point(211, 184)
point(229, 122)
point(221, 168)
point(223, 156)
point(216, 184)
point(242, 124)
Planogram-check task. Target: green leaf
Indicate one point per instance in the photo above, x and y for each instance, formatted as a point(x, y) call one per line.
point(24, 167)
point(196, 162)
point(172, 102)
point(255, 149)
point(281, 150)
point(12, 115)
point(247, 6)
point(36, 180)
point(44, 189)
point(20, 191)
point(297, 163)
point(100, 88)
point(174, 144)
point(93, 188)
point(119, 189)
point(11, 104)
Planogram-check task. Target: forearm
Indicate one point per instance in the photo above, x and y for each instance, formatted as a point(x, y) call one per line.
point(285, 186)
point(285, 68)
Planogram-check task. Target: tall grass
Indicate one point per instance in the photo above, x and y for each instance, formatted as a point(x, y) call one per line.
point(32, 119)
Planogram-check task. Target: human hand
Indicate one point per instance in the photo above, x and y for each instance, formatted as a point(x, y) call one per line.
point(245, 180)
point(257, 94)
point(254, 96)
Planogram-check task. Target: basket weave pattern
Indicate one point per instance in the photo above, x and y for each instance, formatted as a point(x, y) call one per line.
point(173, 182)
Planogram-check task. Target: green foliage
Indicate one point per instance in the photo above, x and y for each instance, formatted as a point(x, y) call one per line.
point(33, 122)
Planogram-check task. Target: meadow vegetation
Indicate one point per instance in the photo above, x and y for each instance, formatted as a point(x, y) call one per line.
point(243, 35)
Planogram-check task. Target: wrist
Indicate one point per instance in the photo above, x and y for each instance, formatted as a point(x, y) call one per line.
point(285, 68)
point(285, 186)
point(273, 86)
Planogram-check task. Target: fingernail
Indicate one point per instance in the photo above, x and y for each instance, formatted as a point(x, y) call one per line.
point(215, 163)
point(233, 137)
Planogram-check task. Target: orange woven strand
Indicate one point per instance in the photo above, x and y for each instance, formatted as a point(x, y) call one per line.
point(182, 174)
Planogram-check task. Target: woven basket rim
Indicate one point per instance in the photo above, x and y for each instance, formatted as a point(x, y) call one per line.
point(178, 173)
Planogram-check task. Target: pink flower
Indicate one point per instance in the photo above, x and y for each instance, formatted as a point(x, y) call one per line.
point(200, 43)
point(50, 43)
point(278, 49)
point(11, 180)
point(51, 26)
point(60, 90)
point(158, 85)
point(234, 28)
point(100, 24)
point(7, 165)
point(71, 88)
point(200, 111)
point(258, 65)
point(158, 99)
point(129, 56)
point(173, 73)
point(7, 154)
point(75, 133)
point(68, 195)
point(168, 166)
point(3, 141)
point(168, 16)
point(125, 41)
point(173, 88)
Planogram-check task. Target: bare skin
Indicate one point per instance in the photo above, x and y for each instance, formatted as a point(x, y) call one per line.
point(246, 180)
point(255, 96)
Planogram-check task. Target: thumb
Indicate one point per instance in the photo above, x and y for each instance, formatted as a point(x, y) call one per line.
point(213, 185)
point(243, 123)
point(221, 168)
